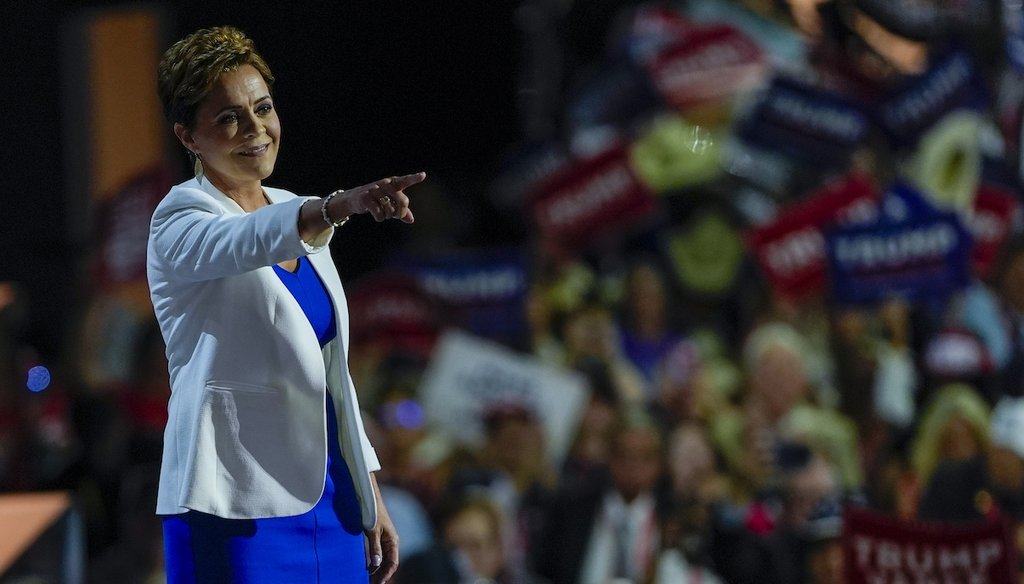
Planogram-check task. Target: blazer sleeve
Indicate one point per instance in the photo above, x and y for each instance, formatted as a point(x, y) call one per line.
point(192, 237)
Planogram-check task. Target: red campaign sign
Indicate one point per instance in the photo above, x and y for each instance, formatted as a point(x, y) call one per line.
point(660, 22)
point(709, 63)
point(122, 228)
point(879, 549)
point(393, 308)
point(791, 250)
point(590, 199)
point(655, 27)
point(995, 212)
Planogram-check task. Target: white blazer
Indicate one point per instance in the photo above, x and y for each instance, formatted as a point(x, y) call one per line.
point(246, 434)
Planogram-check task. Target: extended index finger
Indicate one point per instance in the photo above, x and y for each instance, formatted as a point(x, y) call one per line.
point(403, 182)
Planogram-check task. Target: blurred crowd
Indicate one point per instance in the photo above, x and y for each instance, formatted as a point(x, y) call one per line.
point(732, 414)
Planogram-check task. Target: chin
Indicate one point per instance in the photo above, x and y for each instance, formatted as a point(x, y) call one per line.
point(262, 171)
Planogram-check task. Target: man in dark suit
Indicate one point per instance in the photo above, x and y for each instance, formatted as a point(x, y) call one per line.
point(607, 527)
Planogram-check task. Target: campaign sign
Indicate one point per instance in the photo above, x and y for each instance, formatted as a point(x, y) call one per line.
point(879, 549)
point(392, 308)
point(919, 258)
point(901, 202)
point(791, 250)
point(996, 211)
point(484, 291)
point(808, 124)
point(468, 375)
point(953, 82)
point(523, 168)
point(653, 28)
point(710, 62)
point(592, 198)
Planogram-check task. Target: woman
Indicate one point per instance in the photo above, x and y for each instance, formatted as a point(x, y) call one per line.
point(266, 472)
point(953, 428)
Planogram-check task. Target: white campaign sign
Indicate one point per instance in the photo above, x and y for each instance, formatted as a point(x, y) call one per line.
point(467, 374)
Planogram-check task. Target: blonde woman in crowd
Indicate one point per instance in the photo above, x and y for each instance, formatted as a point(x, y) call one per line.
point(954, 427)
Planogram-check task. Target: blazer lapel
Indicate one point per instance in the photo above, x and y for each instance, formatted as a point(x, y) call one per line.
point(323, 265)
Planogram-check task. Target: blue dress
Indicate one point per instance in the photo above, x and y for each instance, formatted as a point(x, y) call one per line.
point(322, 545)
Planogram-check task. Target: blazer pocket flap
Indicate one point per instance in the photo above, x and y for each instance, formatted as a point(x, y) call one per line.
point(240, 386)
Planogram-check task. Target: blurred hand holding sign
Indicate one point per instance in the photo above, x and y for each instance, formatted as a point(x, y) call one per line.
point(467, 375)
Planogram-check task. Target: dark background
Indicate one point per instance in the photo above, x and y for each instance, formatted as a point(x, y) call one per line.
point(364, 90)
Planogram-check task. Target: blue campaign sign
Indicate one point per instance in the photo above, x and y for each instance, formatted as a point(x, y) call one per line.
point(952, 82)
point(484, 289)
point(806, 123)
point(923, 257)
point(901, 202)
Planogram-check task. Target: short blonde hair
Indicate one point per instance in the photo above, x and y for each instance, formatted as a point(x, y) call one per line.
point(775, 334)
point(189, 69)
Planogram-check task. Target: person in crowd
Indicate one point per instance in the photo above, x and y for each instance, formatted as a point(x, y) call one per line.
point(696, 489)
point(680, 395)
point(776, 381)
point(406, 511)
point(267, 474)
point(809, 496)
point(471, 551)
point(989, 484)
point(414, 450)
point(685, 545)
point(588, 455)
point(872, 350)
point(590, 333)
point(879, 389)
point(953, 428)
point(692, 466)
point(513, 472)
point(644, 329)
point(994, 311)
point(603, 529)
point(832, 435)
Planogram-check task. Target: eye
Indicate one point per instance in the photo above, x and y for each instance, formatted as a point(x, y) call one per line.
point(230, 118)
point(264, 109)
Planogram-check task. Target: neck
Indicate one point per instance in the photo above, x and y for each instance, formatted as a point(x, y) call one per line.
point(248, 196)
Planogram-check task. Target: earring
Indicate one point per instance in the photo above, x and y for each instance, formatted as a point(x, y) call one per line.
point(197, 166)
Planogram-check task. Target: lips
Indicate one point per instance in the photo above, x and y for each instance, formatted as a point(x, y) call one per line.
point(255, 150)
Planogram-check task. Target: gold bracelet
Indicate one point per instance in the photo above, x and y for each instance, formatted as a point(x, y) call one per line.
point(323, 211)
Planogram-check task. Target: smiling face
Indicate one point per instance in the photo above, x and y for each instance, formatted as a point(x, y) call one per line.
point(236, 131)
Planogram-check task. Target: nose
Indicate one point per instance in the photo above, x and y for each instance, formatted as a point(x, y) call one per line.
point(254, 126)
